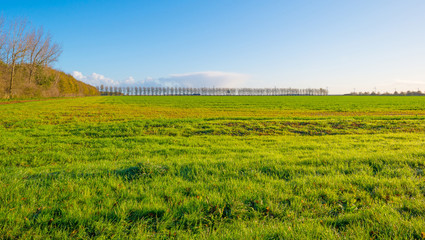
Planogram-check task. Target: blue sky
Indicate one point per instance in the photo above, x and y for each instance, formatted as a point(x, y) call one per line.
point(337, 44)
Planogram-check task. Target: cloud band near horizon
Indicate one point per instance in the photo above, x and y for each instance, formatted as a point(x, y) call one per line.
point(194, 79)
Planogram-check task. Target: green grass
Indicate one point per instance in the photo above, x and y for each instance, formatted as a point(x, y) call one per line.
point(213, 168)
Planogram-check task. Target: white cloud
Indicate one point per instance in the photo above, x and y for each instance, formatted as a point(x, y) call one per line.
point(195, 79)
point(78, 75)
point(130, 81)
point(94, 79)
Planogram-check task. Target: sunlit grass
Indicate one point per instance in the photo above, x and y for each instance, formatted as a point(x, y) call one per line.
point(213, 167)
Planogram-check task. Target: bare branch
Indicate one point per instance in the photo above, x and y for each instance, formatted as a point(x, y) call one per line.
point(34, 44)
point(51, 52)
point(16, 42)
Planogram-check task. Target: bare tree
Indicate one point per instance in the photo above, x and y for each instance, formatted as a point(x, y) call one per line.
point(16, 47)
point(42, 51)
point(20, 46)
point(34, 49)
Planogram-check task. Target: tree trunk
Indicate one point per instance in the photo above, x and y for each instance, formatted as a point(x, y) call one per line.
point(12, 73)
point(30, 76)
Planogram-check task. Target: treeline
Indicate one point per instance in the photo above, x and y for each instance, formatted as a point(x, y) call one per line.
point(171, 91)
point(26, 56)
point(395, 93)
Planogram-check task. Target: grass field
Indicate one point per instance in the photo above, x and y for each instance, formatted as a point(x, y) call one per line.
point(333, 167)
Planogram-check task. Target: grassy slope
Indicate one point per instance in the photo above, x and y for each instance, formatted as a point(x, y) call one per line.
point(213, 167)
point(46, 82)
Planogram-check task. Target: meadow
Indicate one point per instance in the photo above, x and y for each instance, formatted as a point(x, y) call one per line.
point(213, 167)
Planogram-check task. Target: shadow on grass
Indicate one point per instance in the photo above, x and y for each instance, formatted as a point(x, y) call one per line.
point(142, 170)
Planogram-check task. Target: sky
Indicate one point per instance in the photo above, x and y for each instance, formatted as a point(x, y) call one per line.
point(345, 46)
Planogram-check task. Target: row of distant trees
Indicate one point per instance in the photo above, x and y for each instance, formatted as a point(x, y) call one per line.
point(23, 45)
point(161, 91)
point(395, 93)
